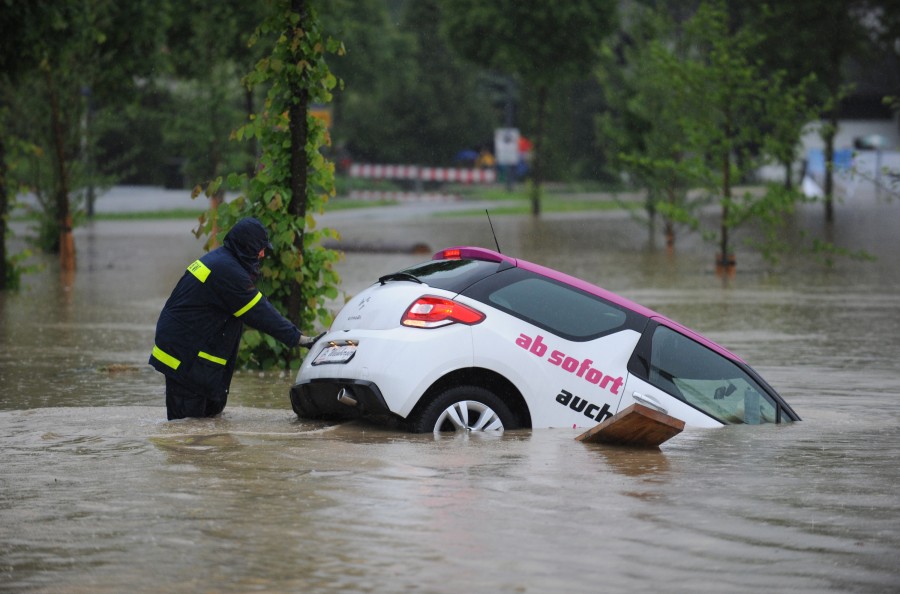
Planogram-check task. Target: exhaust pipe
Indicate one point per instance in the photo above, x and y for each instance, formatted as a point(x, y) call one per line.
point(345, 396)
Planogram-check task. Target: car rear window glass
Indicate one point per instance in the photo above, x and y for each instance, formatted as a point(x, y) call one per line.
point(452, 275)
point(561, 309)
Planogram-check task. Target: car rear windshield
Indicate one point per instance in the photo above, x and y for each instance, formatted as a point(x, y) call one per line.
point(453, 275)
point(554, 306)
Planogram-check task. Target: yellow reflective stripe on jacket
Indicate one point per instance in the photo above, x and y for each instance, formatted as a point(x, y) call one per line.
point(199, 269)
point(165, 357)
point(244, 309)
point(212, 358)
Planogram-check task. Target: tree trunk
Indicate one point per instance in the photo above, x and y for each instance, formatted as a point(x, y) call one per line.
point(724, 263)
point(670, 224)
point(215, 201)
point(538, 150)
point(218, 197)
point(829, 166)
point(252, 149)
point(299, 131)
point(63, 215)
point(4, 210)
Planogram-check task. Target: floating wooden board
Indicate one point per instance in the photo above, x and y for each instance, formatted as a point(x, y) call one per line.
point(636, 426)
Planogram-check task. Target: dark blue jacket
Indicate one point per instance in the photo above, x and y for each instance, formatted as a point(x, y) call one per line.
point(199, 329)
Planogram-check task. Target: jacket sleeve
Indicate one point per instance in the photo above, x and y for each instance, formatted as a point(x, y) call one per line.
point(245, 302)
point(264, 317)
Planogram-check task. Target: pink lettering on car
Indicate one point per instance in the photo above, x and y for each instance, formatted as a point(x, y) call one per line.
point(581, 368)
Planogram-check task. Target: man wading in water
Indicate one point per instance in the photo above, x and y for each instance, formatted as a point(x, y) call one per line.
point(199, 329)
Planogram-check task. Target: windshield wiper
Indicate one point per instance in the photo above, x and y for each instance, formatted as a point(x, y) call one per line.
point(399, 276)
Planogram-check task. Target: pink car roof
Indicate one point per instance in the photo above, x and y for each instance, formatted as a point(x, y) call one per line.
point(477, 253)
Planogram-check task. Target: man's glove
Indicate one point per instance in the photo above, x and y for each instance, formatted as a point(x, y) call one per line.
point(307, 342)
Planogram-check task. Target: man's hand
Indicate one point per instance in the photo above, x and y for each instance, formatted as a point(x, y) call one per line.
point(307, 342)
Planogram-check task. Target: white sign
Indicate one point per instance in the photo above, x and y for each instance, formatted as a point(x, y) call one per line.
point(506, 146)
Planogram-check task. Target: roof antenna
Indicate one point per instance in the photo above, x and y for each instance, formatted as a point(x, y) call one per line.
point(492, 230)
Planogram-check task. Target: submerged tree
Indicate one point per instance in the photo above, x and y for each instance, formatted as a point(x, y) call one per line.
point(828, 40)
point(11, 68)
point(293, 180)
point(542, 43)
point(708, 116)
point(70, 55)
point(643, 125)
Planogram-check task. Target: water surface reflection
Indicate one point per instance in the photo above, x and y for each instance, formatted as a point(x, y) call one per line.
point(99, 493)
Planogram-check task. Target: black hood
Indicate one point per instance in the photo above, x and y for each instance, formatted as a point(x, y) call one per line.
point(244, 240)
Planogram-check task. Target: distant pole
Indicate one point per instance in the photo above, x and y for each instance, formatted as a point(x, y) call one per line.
point(878, 172)
point(509, 121)
point(830, 133)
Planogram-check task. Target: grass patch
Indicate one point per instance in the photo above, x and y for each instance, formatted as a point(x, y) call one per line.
point(557, 198)
point(547, 206)
point(492, 193)
point(521, 191)
point(149, 215)
point(188, 213)
point(344, 185)
point(348, 204)
point(143, 215)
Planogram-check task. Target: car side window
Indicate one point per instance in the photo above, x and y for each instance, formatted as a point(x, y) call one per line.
point(707, 380)
point(561, 309)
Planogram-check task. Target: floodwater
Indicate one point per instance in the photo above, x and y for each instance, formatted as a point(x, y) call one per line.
point(98, 493)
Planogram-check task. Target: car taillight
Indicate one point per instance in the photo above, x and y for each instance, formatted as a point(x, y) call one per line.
point(434, 312)
point(451, 254)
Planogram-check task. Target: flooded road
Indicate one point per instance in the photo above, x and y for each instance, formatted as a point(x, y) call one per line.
point(98, 493)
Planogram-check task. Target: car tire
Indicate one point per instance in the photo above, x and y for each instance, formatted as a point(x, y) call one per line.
point(464, 408)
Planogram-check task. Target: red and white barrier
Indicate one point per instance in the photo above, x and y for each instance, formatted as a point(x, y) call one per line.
point(414, 172)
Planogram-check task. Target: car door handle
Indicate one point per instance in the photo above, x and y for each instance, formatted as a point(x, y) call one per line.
point(650, 401)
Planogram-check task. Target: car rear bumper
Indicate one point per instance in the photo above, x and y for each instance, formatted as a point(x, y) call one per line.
point(325, 398)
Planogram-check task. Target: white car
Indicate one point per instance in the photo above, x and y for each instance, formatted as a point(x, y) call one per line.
point(475, 340)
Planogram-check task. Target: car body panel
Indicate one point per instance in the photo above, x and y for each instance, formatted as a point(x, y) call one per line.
point(543, 366)
point(378, 307)
point(641, 392)
point(386, 358)
point(568, 370)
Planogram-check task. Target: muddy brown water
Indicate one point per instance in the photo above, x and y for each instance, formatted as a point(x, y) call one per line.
point(98, 493)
